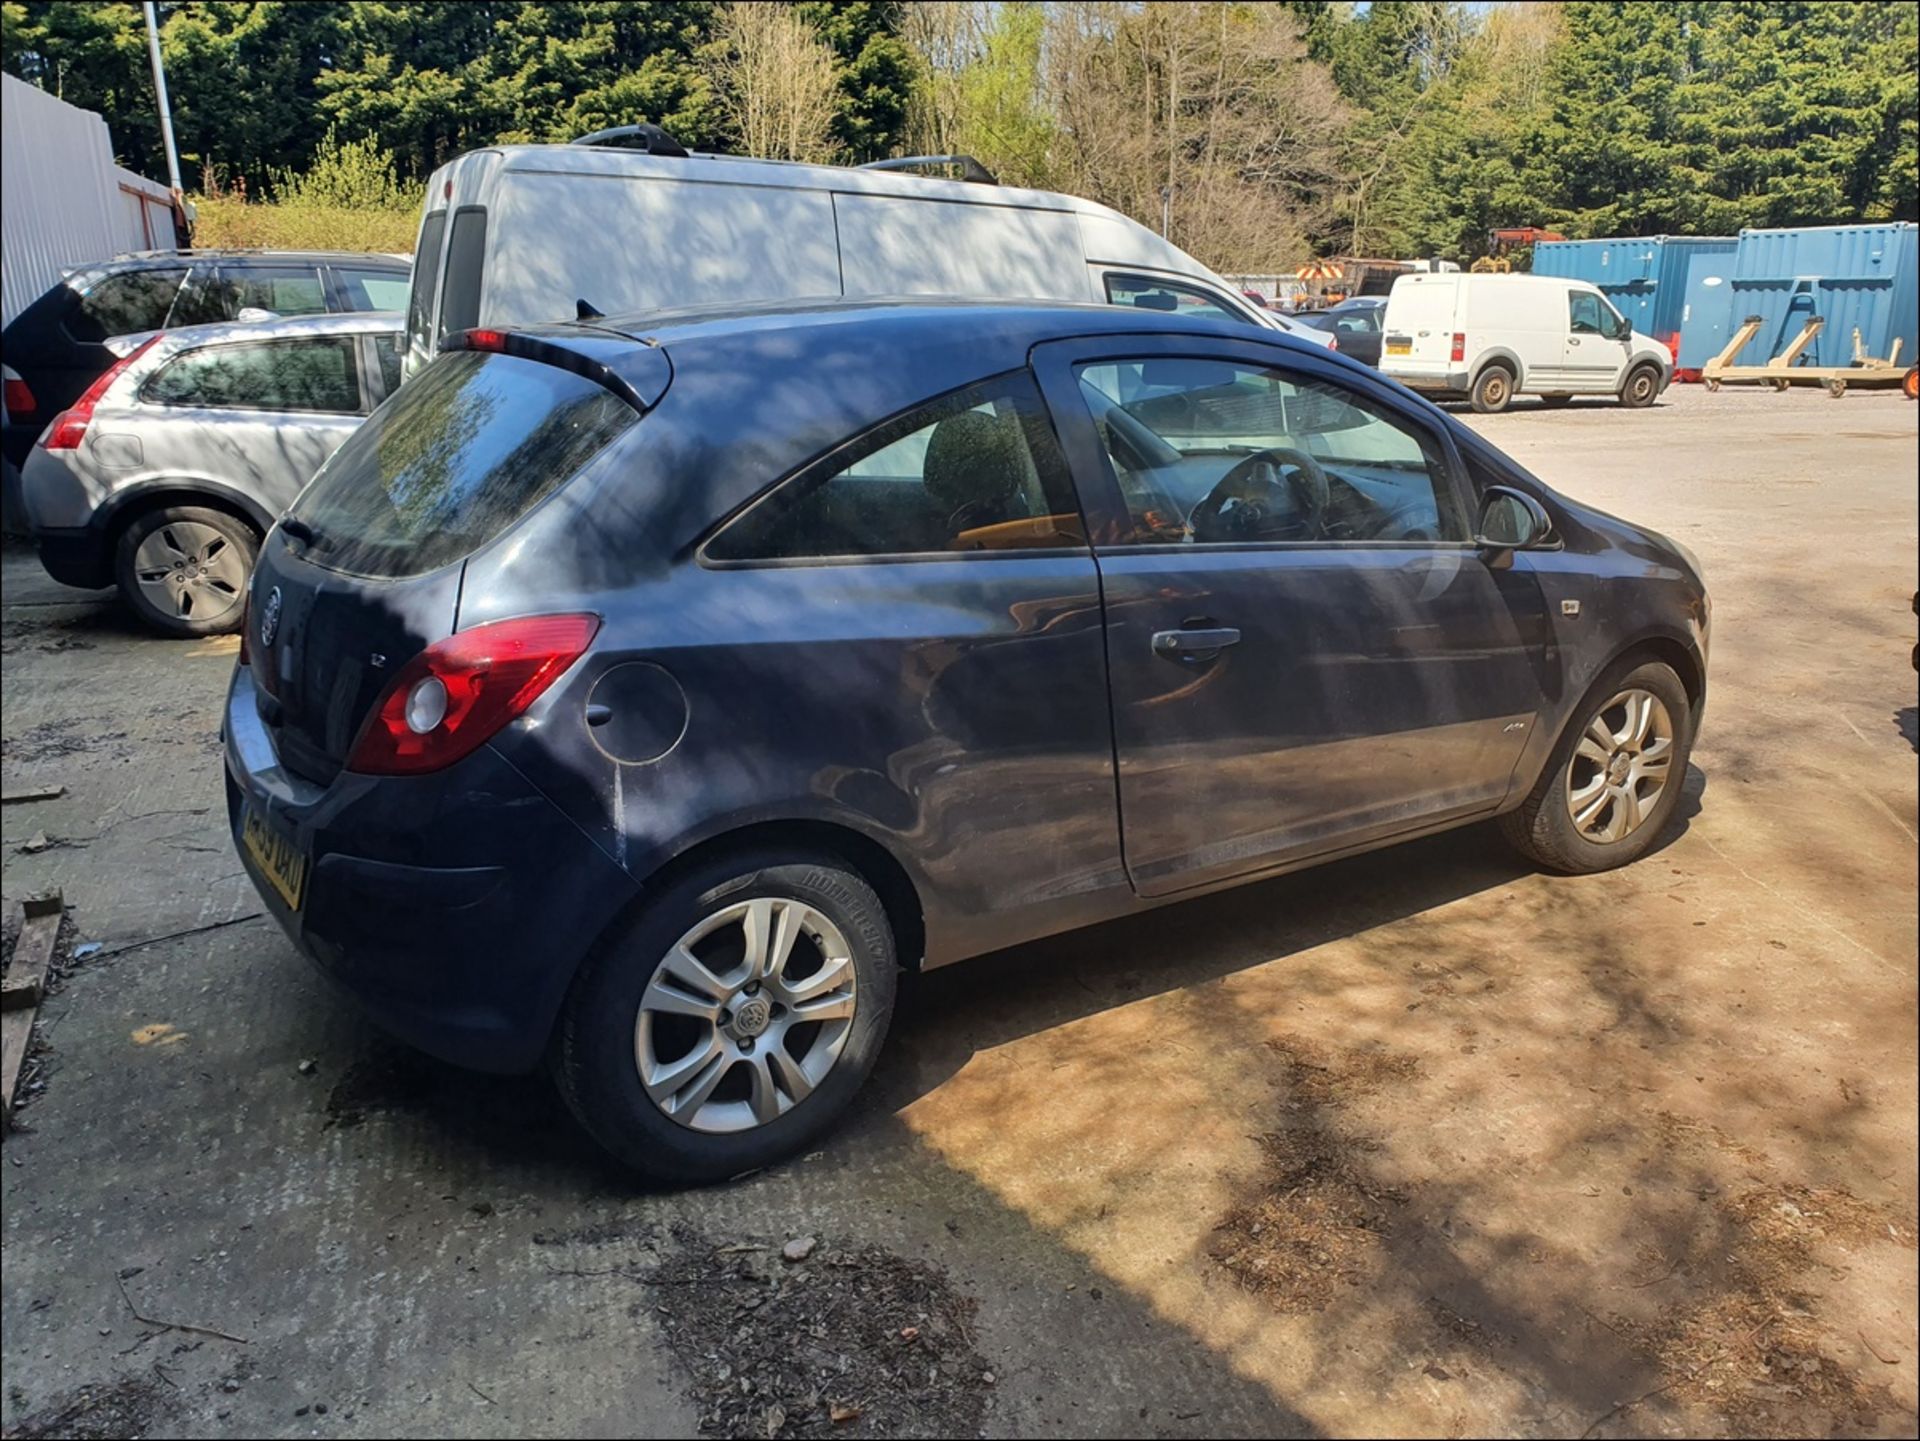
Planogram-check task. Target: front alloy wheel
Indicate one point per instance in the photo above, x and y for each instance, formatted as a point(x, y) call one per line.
point(1620, 766)
point(745, 1015)
point(1613, 781)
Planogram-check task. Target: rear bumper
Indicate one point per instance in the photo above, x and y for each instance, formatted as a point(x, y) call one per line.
point(454, 908)
point(79, 556)
point(1428, 382)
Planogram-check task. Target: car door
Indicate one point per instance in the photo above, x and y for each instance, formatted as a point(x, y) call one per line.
point(260, 416)
point(1358, 332)
point(1288, 677)
point(1593, 358)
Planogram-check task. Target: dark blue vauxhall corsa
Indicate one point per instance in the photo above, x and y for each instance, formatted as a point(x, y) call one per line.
point(642, 698)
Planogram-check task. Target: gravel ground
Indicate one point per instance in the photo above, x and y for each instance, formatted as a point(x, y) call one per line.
point(1418, 1143)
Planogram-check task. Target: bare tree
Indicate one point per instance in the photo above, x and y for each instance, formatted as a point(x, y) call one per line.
point(1211, 115)
point(776, 82)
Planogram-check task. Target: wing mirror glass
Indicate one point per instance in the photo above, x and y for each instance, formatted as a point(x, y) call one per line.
point(1510, 520)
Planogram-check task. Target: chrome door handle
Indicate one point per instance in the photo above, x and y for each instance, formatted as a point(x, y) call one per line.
point(1194, 644)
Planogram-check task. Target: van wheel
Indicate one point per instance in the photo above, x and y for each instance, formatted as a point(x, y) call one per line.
point(1492, 390)
point(1615, 776)
point(183, 569)
point(733, 1020)
point(1641, 388)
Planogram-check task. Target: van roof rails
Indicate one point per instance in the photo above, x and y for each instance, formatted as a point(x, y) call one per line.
point(970, 169)
point(649, 138)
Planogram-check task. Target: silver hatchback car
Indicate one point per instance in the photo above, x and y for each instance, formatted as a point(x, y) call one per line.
point(162, 478)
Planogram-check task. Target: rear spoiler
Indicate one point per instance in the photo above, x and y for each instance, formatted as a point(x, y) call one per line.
point(637, 371)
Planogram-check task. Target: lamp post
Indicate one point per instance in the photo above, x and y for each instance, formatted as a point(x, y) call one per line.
point(160, 94)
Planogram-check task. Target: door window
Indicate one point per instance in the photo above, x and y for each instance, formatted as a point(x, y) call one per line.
point(305, 375)
point(1588, 315)
point(971, 472)
point(1224, 452)
point(125, 304)
point(372, 289)
point(386, 349)
point(1168, 298)
point(213, 296)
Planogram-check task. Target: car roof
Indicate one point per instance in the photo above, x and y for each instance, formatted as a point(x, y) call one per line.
point(291, 327)
point(976, 328)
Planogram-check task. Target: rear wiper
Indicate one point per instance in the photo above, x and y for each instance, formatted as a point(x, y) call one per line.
point(298, 529)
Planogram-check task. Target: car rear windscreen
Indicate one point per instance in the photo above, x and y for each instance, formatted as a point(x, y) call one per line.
point(463, 451)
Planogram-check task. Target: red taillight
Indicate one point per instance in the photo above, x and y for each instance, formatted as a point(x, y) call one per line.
point(447, 701)
point(490, 340)
point(1459, 351)
point(69, 427)
point(21, 406)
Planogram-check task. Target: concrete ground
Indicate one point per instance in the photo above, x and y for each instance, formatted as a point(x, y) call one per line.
point(1420, 1143)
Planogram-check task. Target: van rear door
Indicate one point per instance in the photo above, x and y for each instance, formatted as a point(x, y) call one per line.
point(1421, 320)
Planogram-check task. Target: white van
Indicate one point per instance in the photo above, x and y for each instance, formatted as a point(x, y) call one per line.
point(1491, 337)
point(525, 234)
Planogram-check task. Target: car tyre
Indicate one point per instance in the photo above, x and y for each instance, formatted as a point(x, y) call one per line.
point(1641, 387)
point(1544, 828)
point(183, 569)
point(1493, 390)
point(601, 1043)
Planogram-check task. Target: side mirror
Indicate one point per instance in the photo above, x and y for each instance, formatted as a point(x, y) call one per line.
point(1510, 520)
point(1623, 329)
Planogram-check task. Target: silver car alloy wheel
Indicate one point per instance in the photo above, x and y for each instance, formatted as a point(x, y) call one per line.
point(745, 1015)
point(1620, 767)
point(190, 570)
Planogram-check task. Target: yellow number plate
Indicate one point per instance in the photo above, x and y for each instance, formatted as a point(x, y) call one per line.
point(1399, 347)
point(282, 861)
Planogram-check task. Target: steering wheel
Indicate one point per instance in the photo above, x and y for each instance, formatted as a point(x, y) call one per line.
point(1247, 503)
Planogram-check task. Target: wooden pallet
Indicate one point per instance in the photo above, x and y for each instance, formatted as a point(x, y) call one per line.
point(23, 987)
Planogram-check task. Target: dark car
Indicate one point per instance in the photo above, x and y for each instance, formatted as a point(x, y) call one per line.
point(642, 698)
point(1354, 325)
point(57, 346)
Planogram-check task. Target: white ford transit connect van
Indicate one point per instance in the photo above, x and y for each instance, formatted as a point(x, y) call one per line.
point(1491, 337)
point(524, 234)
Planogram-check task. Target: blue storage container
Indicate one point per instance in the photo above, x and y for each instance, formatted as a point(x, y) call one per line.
point(1864, 277)
point(1646, 279)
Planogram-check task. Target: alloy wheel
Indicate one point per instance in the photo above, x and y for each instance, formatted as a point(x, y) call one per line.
point(190, 570)
point(1621, 767)
point(745, 1015)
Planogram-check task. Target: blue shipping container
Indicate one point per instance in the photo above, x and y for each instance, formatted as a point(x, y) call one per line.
point(1855, 277)
point(1646, 279)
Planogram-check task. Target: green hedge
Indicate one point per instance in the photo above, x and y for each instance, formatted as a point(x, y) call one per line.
point(230, 221)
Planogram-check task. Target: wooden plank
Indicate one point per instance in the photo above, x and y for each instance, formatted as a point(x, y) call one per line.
point(13, 794)
point(16, 1029)
point(19, 992)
